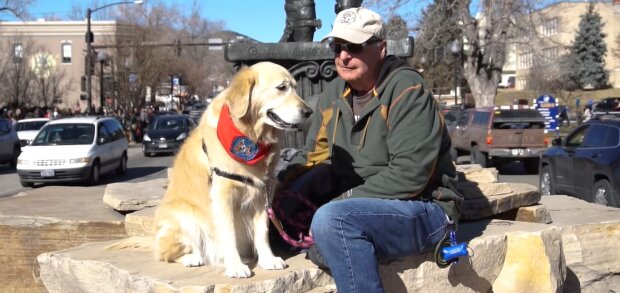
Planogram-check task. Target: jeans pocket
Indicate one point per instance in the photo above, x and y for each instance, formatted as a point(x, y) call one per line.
point(435, 225)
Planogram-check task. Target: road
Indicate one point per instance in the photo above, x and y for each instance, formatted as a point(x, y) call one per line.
point(139, 168)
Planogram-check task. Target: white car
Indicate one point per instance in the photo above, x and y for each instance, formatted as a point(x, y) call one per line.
point(27, 129)
point(74, 149)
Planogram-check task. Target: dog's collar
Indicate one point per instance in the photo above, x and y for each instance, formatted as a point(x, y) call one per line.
point(232, 176)
point(238, 146)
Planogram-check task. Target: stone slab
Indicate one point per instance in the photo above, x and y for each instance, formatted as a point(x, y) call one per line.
point(478, 205)
point(590, 237)
point(537, 213)
point(475, 173)
point(140, 223)
point(91, 268)
point(48, 219)
point(128, 197)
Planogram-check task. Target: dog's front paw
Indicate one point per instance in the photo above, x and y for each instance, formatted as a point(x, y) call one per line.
point(192, 260)
point(273, 263)
point(238, 271)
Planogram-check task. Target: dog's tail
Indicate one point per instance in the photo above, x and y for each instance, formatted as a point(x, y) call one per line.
point(140, 243)
point(168, 245)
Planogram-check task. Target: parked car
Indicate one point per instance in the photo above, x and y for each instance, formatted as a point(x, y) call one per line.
point(27, 129)
point(166, 133)
point(495, 135)
point(196, 111)
point(74, 149)
point(586, 164)
point(9, 143)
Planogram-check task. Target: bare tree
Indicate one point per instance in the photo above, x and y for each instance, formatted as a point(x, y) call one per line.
point(19, 8)
point(486, 28)
point(15, 75)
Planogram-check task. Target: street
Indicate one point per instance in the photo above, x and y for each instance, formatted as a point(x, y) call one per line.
point(139, 168)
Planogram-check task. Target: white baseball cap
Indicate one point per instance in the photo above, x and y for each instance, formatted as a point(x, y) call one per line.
point(357, 25)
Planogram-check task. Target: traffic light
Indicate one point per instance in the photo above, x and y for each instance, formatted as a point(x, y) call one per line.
point(92, 64)
point(83, 83)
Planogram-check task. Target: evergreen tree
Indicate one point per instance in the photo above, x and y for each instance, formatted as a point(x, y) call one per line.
point(587, 53)
point(432, 53)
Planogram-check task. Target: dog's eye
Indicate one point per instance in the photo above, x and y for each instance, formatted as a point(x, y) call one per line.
point(281, 87)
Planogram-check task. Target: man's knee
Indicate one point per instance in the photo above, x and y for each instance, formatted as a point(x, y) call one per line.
point(325, 220)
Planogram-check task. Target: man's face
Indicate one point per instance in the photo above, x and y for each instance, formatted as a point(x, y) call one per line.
point(358, 64)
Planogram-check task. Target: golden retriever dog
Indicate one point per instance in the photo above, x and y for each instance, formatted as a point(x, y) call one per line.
point(213, 211)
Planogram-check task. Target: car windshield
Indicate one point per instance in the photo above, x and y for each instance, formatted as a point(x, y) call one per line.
point(65, 134)
point(169, 123)
point(29, 125)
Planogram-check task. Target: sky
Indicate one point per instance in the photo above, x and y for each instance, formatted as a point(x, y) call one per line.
point(263, 20)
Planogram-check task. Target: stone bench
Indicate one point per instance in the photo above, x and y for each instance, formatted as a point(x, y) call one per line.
point(577, 253)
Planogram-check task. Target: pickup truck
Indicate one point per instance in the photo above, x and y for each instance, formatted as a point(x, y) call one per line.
point(495, 135)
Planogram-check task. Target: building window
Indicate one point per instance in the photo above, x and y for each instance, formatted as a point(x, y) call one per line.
point(550, 27)
point(521, 83)
point(18, 51)
point(66, 52)
point(525, 61)
point(550, 55)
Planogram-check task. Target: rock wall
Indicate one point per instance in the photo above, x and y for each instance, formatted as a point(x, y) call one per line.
point(49, 219)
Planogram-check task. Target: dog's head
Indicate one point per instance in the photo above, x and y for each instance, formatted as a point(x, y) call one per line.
point(264, 96)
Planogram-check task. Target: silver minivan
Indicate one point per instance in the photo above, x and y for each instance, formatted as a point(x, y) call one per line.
point(74, 149)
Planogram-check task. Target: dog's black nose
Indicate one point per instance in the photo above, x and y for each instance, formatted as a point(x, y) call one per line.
point(306, 112)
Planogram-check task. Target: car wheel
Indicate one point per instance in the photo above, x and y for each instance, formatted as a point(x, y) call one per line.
point(531, 165)
point(95, 174)
point(122, 168)
point(546, 181)
point(26, 184)
point(146, 154)
point(16, 152)
point(477, 157)
point(603, 193)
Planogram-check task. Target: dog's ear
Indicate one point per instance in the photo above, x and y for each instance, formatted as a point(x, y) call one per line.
point(240, 92)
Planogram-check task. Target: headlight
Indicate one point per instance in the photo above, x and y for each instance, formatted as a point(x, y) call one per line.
point(146, 138)
point(182, 136)
point(79, 160)
point(23, 162)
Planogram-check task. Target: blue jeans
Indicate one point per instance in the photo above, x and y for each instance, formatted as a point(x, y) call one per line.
point(354, 234)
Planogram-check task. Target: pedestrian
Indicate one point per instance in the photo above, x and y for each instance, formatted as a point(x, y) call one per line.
point(587, 113)
point(378, 144)
point(564, 116)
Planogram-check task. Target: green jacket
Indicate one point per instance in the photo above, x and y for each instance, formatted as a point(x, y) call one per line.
point(399, 147)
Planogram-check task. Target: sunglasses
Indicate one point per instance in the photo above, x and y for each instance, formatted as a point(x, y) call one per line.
point(350, 47)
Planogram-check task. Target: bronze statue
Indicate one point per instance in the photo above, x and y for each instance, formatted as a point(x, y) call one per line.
point(301, 21)
point(345, 4)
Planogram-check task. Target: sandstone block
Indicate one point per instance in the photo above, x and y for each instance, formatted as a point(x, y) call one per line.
point(48, 219)
point(590, 237)
point(140, 223)
point(537, 213)
point(509, 196)
point(475, 173)
point(91, 268)
point(129, 197)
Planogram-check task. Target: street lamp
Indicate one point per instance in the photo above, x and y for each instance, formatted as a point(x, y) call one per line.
point(455, 48)
point(89, 47)
point(102, 57)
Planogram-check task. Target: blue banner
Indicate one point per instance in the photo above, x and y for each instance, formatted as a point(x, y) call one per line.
point(548, 107)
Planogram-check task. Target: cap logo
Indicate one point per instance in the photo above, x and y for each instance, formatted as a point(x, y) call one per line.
point(347, 17)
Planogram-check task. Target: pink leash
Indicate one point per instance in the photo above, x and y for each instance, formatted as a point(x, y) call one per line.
point(303, 241)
